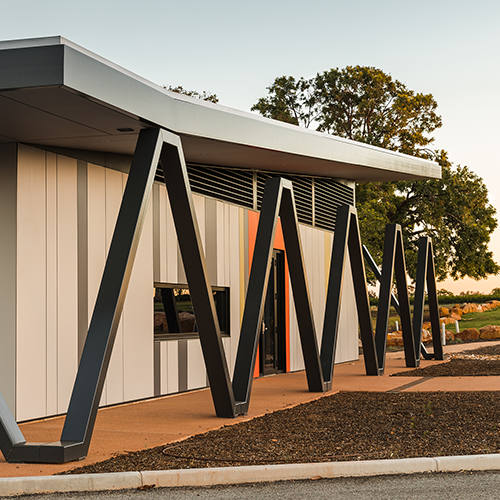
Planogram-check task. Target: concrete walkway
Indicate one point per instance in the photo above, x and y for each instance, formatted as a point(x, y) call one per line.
point(145, 424)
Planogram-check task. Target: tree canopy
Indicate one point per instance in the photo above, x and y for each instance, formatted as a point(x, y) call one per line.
point(204, 96)
point(367, 105)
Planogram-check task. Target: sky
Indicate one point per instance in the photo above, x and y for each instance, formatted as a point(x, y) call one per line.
point(449, 48)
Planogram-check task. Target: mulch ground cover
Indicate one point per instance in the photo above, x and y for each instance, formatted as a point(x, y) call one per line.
point(457, 367)
point(344, 426)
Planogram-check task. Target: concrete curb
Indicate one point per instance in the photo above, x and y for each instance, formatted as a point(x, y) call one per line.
point(238, 475)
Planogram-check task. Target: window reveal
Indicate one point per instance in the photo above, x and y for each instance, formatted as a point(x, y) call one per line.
point(174, 315)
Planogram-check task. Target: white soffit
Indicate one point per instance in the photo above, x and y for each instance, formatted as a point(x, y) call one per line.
point(55, 93)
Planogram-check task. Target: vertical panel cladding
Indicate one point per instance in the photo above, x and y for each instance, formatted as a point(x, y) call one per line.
point(83, 246)
point(234, 283)
point(172, 275)
point(182, 365)
point(227, 244)
point(67, 279)
point(210, 232)
point(317, 247)
point(172, 367)
point(155, 195)
point(96, 237)
point(8, 265)
point(197, 377)
point(114, 390)
point(52, 288)
point(221, 244)
point(31, 372)
point(349, 317)
point(167, 247)
point(321, 282)
point(137, 319)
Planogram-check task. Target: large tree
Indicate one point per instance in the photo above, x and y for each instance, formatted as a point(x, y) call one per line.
point(367, 105)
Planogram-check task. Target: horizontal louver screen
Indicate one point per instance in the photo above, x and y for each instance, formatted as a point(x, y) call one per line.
point(328, 196)
point(231, 185)
point(302, 191)
point(237, 187)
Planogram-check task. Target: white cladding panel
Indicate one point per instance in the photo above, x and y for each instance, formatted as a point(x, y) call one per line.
point(47, 349)
point(114, 184)
point(31, 284)
point(52, 286)
point(67, 279)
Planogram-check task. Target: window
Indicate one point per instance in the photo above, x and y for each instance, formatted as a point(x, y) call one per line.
point(174, 316)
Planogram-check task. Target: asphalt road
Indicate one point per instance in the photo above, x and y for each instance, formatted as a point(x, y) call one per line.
point(466, 485)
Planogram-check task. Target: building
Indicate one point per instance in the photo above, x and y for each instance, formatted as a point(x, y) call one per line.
point(69, 128)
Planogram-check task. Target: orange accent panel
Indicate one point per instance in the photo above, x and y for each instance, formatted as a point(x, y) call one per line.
point(279, 244)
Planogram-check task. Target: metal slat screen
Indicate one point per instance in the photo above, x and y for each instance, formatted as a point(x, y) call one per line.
point(316, 198)
point(302, 191)
point(231, 185)
point(328, 196)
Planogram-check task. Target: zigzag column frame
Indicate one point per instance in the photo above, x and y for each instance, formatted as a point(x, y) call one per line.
point(394, 259)
point(278, 199)
point(347, 239)
point(394, 300)
point(426, 274)
point(229, 400)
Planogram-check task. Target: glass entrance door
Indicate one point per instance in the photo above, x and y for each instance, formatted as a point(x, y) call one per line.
point(272, 342)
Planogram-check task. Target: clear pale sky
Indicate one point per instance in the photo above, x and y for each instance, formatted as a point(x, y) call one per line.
point(449, 48)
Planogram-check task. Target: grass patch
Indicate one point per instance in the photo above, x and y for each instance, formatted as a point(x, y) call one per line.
point(478, 320)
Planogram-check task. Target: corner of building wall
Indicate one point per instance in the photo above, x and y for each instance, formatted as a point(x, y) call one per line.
point(8, 271)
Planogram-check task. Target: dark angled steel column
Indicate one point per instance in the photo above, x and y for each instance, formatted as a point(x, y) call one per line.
point(334, 292)
point(404, 303)
point(256, 294)
point(98, 347)
point(80, 420)
point(395, 304)
point(195, 267)
point(419, 297)
point(384, 300)
point(361, 293)
point(301, 296)
point(433, 303)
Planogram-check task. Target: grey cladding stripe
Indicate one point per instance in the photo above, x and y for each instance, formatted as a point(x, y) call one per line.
point(183, 365)
point(8, 265)
point(156, 233)
point(211, 239)
point(157, 369)
point(82, 231)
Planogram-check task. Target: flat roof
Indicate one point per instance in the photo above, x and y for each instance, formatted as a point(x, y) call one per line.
point(56, 93)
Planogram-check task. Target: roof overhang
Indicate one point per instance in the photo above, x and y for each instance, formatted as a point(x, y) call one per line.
point(55, 93)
